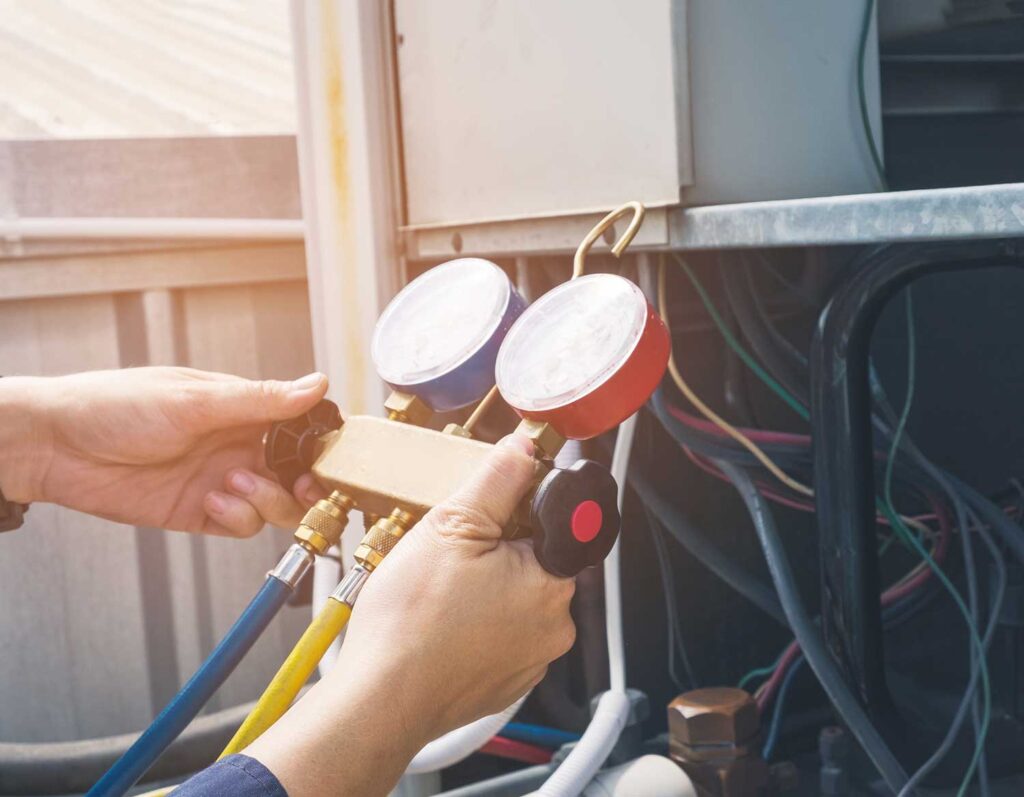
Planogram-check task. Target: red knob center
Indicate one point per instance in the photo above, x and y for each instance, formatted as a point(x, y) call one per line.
point(586, 520)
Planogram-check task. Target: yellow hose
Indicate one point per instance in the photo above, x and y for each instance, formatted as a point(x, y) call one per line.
point(292, 676)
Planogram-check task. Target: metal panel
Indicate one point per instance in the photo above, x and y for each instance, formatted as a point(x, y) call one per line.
point(774, 102)
point(935, 214)
point(539, 107)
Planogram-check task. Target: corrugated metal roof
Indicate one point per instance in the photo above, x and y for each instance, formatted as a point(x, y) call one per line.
point(107, 68)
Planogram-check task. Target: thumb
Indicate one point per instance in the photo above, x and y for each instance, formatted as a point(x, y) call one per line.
point(240, 402)
point(490, 496)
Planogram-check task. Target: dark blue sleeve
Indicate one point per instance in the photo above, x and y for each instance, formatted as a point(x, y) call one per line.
point(234, 776)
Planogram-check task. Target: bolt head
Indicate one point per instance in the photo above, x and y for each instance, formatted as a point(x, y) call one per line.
point(546, 440)
point(411, 409)
point(455, 429)
point(719, 715)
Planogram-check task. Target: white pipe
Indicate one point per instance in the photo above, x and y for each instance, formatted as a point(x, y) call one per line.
point(647, 776)
point(613, 563)
point(462, 742)
point(22, 229)
point(590, 752)
point(612, 713)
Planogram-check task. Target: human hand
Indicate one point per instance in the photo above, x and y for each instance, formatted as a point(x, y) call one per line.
point(456, 623)
point(173, 448)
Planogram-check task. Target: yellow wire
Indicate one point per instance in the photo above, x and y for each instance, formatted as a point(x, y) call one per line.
point(728, 428)
point(292, 676)
point(709, 413)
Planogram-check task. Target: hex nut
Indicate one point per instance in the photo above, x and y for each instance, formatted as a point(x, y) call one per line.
point(458, 431)
point(407, 408)
point(713, 716)
point(546, 440)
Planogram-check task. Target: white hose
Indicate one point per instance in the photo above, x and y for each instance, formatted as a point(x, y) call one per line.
point(590, 752)
point(613, 566)
point(462, 742)
point(612, 713)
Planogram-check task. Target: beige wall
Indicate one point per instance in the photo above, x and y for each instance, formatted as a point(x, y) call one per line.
point(101, 623)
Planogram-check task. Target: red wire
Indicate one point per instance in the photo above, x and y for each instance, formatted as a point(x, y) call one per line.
point(503, 747)
point(758, 435)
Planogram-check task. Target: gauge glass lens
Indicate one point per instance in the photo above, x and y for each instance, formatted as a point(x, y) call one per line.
point(439, 320)
point(570, 341)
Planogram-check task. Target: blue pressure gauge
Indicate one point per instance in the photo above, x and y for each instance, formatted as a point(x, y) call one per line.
point(439, 337)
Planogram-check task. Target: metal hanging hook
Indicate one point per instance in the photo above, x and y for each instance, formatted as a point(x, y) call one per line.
point(638, 211)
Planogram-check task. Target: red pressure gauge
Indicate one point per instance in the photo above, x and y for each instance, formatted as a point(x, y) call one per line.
point(584, 357)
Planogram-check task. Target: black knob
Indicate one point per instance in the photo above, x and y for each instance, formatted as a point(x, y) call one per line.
point(575, 518)
point(290, 447)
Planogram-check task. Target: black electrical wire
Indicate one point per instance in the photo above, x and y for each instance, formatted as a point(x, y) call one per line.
point(788, 456)
point(676, 641)
point(808, 636)
point(763, 338)
point(700, 546)
point(1011, 534)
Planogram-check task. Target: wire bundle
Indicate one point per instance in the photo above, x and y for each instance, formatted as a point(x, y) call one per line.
point(718, 447)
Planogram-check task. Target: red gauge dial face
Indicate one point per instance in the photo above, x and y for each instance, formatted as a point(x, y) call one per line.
point(585, 356)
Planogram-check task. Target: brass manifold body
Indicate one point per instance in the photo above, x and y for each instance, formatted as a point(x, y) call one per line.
point(359, 463)
point(382, 464)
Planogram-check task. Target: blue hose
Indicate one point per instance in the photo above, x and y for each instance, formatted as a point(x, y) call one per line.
point(185, 705)
point(538, 734)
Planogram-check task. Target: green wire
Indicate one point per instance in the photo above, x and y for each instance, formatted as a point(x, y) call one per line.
point(889, 509)
point(760, 672)
point(912, 540)
point(902, 533)
point(737, 347)
point(876, 157)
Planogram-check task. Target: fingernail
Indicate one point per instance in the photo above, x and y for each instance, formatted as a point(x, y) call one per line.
point(216, 504)
point(242, 483)
point(517, 442)
point(308, 382)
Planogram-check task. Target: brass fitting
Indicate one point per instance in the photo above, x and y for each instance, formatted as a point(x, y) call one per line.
point(324, 522)
point(458, 431)
point(714, 735)
point(407, 408)
point(547, 442)
point(382, 537)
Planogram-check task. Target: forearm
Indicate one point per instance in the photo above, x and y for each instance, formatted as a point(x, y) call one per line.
point(343, 742)
point(25, 442)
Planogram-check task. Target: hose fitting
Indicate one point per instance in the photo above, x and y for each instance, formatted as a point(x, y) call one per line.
point(324, 522)
point(293, 565)
point(351, 585)
point(381, 539)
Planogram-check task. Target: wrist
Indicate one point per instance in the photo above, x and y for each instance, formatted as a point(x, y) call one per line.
point(26, 442)
point(343, 742)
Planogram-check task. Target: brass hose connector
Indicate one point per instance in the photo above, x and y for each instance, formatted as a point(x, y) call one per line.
point(407, 408)
point(381, 539)
point(377, 543)
point(324, 522)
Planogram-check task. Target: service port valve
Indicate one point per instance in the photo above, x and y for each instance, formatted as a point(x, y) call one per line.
point(575, 518)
